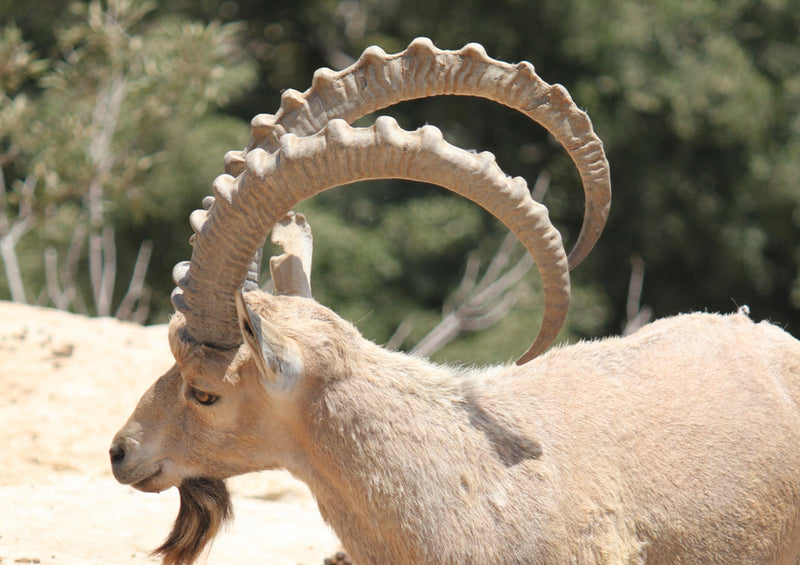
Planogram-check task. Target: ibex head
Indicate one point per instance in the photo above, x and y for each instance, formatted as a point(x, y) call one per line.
point(248, 369)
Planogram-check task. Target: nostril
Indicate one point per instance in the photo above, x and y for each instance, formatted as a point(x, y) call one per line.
point(117, 453)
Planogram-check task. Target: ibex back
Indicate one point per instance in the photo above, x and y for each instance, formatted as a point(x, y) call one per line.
point(678, 444)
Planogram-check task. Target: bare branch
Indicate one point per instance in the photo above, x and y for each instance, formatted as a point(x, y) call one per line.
point(11, 233)
point(477, 304)
point(636, 315)
point(486, 318)
point(102, 250)
point(13, 273)
point(400, 335)
point(142, 307)
point(498, 263)
point(69, 274)
point(540, 186)
point(54, 292)
point(444, 332)
point(136, 287)
point(109, 272)
point(104, 123)
point(62, 290)
point(102, 267)
point(495, 281)
point(466, 286)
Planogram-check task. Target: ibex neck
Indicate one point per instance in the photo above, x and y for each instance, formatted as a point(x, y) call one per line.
point(391, 447)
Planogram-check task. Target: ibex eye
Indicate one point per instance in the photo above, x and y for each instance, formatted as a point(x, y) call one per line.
point(204, 398)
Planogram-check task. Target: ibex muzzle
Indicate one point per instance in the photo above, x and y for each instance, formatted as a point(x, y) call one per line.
point(678, 444)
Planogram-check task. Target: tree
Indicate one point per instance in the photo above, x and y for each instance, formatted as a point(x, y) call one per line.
point(696, 103)
point(18, 65)
point(106, 118)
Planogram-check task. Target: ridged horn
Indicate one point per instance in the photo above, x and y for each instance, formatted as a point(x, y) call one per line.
point(271, 184)
point(378, 80)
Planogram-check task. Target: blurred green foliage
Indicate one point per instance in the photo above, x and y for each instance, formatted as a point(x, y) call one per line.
point(698, 104)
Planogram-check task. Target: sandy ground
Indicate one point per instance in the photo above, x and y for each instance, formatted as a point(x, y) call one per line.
point(67, 383)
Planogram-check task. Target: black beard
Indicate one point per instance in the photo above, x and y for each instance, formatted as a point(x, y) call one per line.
point(205, 507)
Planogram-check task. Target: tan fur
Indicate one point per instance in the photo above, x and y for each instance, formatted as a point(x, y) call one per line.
point(679, 444)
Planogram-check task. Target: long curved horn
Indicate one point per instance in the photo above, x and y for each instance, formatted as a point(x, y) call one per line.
point(273, 183)
point(378, 80)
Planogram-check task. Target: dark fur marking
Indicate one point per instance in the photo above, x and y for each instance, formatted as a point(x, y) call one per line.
point(511, 447)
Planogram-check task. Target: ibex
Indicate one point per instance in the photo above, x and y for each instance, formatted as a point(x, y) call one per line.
point(679, 444)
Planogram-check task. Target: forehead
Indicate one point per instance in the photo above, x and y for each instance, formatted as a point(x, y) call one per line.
point(209, 367)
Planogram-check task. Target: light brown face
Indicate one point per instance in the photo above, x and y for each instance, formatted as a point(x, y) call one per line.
point(218, 413)
point(137, 452)
point(210, 416)
point(214, 414)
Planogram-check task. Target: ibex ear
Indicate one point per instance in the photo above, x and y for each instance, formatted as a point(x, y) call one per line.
point(276, 358)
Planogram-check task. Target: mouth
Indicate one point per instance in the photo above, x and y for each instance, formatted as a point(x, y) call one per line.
point(144, 479)
point(147, 483)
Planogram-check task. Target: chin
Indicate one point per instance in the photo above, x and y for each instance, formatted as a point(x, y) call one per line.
point(158, 478)
point(154, 483)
